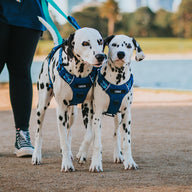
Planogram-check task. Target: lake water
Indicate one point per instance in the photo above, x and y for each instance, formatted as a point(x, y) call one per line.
point(158, 74)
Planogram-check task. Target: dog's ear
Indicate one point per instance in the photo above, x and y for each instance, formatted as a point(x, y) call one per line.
point(139, 53)
point(108, 40)
point(70, 44)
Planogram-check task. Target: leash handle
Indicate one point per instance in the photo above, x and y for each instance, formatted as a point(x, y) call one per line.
point(49, 20)
point(70, 19)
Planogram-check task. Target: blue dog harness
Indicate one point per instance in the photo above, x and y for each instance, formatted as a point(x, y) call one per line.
point(80, 86)
point(116, 93)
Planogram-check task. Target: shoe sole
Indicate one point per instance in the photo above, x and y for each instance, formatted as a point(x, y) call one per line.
point(24, 152)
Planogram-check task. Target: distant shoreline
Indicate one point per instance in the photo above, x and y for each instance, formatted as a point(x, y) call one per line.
point(158, 56)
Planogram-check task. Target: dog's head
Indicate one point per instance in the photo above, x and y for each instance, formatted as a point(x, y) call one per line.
point(87, 44)
point(121, 49)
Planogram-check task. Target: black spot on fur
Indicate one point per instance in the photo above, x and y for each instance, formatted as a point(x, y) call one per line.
point(38, 85)
point(38, 130)
point(45, 108)
point(118, 78)
point(104, 74)
point(60, 118)
point(85, 111)
point(41, 71)
point(38, 122)
point(65, 102)
point(38, 113)
point(124, 126)
point(42, 86)
point(81, 68)
point(129, 122)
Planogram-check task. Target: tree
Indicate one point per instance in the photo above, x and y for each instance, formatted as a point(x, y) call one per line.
point(88, 17)
point(162, 22)
point(142, 23)
point(110, 10)
point(182, 25)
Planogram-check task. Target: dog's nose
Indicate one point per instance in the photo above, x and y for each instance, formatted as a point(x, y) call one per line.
point(121, 54)
point(100, 57)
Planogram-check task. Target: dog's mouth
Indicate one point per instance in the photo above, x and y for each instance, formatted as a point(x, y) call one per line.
point(97, 65)
point(119, 60)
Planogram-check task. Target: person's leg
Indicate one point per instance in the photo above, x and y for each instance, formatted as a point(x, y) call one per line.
point(22, 45)
point(4, 37)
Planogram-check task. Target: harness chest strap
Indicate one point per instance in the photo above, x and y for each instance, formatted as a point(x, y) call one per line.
point(80, 86)
point(116, 93)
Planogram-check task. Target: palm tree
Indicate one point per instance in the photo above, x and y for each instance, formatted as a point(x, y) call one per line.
point(110, 10)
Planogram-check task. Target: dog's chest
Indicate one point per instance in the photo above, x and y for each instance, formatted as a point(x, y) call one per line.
point(73, 65)
point(116, 76)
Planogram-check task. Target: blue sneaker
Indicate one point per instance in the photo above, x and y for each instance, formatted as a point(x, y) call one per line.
point(23, 146)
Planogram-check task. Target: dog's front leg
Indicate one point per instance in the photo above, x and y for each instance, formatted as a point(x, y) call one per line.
point(96, 162)
point(87, 113)
point(128, 161)
point(117, 154)
point(64, 131)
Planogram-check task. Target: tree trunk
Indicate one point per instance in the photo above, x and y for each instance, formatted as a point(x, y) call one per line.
point(111, 24)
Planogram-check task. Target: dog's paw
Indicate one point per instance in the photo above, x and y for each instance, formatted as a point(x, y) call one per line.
point(130, 164)
point(67, 165)
point(118, 157)
point(36, 158)
point(81, 157)
point(96, 166)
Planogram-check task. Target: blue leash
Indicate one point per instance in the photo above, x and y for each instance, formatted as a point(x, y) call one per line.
point(70, 19)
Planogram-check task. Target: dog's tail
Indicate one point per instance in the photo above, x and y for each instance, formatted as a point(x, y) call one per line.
point(51, 30)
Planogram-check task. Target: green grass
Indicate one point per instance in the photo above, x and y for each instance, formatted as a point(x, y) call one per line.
point(165, 45)
point(149, 45)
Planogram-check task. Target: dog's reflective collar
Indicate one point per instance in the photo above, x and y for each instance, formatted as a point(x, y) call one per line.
point(80, 86)
point(116, 93)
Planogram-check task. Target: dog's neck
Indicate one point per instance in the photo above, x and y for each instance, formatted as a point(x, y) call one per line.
point(76, 66)
point(116, 75)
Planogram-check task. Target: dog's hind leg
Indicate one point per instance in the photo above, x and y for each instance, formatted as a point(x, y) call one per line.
point(64, 134)
point(87, 113)
point(117, 154)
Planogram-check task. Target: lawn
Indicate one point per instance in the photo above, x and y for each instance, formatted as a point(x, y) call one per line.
point(149, 45)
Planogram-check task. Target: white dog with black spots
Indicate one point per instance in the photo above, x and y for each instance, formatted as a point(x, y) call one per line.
point(117, 71)
point(81, 51)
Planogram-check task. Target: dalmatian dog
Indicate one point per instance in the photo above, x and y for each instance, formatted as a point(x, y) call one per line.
point(80, 53)
point(114, 86)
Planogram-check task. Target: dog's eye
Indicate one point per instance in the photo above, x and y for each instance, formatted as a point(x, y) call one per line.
point(129, 46)
point(100, 42)
point(114, 44)
point(85, 43)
